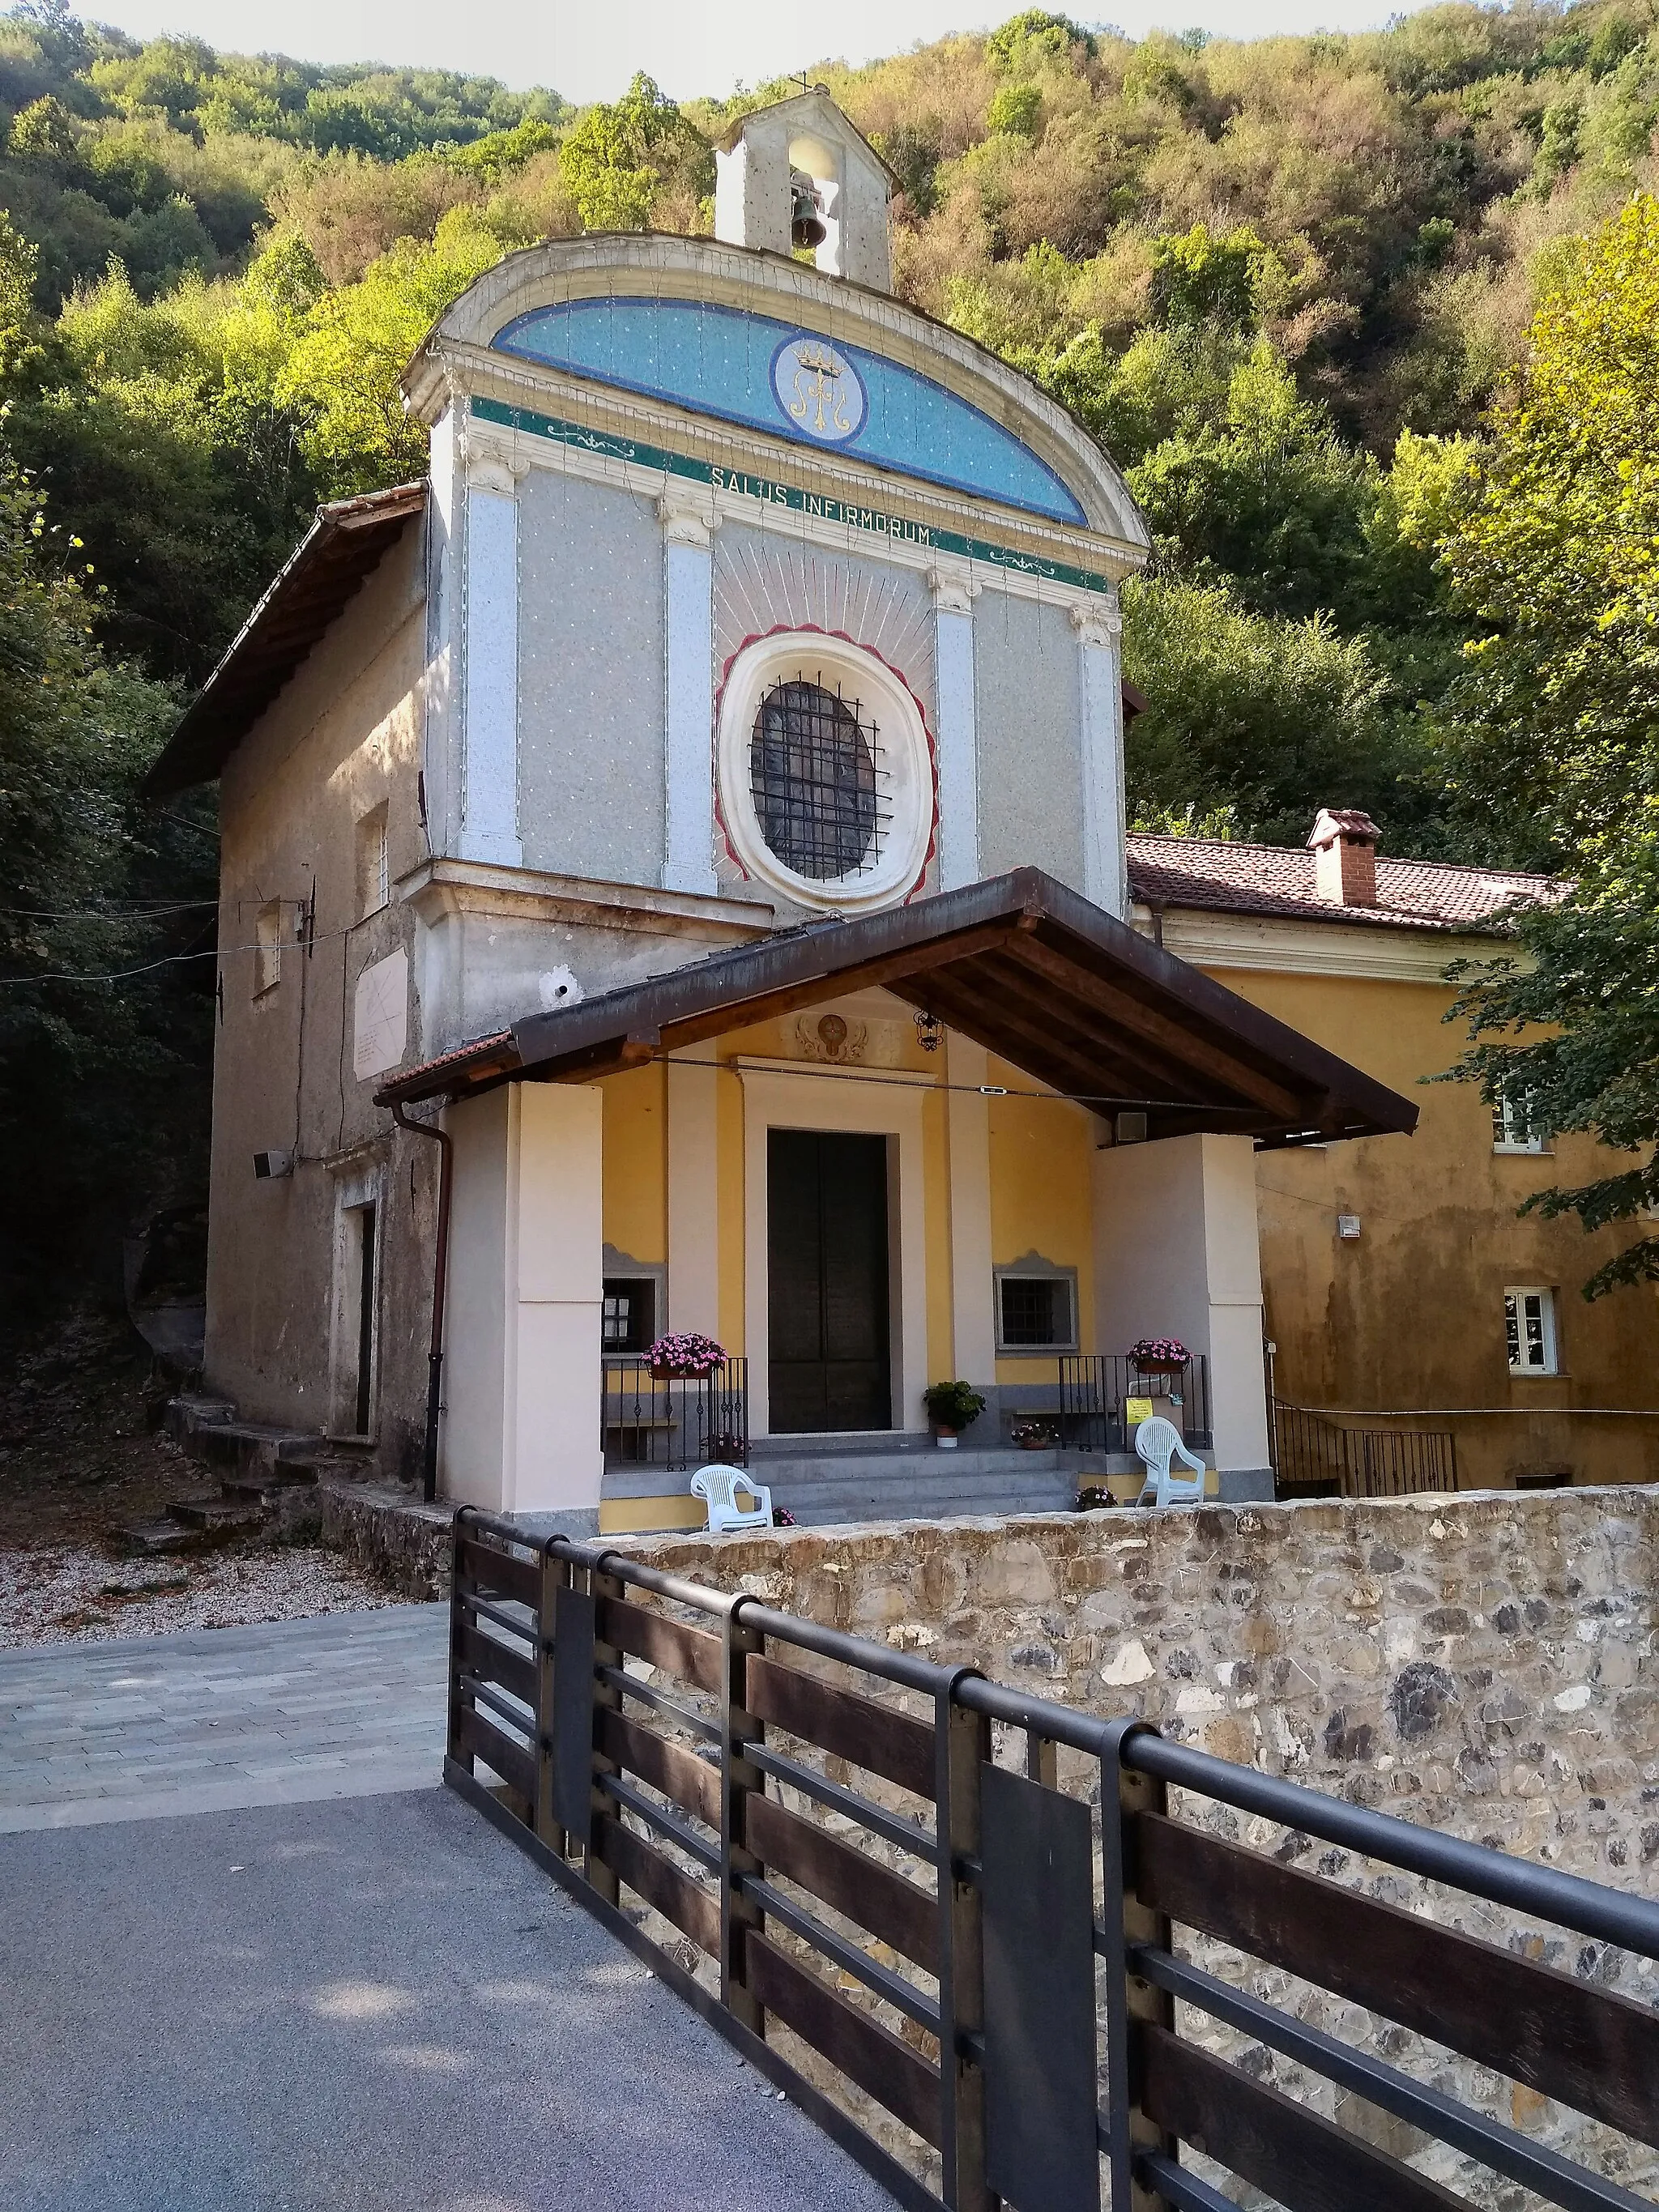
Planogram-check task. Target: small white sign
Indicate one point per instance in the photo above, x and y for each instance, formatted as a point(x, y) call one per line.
point(1348, 1224)
point(380, 1028)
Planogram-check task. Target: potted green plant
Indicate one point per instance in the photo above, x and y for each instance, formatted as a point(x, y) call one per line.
point(951, 1407)
point(1159, 1355)
point(1033, 1436)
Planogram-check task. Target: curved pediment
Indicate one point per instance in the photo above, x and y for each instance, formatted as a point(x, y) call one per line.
point(753, 339)
point(788, 379)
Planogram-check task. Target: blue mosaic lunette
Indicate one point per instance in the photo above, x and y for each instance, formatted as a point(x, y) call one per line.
point(718, 360)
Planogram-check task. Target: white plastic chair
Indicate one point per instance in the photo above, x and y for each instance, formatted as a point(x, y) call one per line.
point(718, 1487)
point(1158, 1442)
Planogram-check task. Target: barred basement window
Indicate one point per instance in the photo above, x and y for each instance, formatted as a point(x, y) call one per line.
point(629, 1315)
point(1037, 1313)
point(817, 778)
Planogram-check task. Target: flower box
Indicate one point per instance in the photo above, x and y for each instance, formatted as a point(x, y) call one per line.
point(686, 1356)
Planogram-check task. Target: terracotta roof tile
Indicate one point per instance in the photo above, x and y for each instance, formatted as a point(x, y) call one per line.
point(1278, 879)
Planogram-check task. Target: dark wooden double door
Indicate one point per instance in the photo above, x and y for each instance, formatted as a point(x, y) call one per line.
point(828, 1353)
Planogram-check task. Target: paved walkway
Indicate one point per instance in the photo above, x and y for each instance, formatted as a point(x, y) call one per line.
point(378, 2005)
point(347, 1705)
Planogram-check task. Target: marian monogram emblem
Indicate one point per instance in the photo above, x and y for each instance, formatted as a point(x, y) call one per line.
point(819, 391)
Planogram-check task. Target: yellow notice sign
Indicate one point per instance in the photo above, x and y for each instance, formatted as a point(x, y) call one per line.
point(1136, 1410)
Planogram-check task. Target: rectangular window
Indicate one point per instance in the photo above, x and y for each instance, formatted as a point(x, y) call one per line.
point(629, 1315)
point(1530, 1330)
point(1037, 1313)
point(374, 875)
point(1516, 1125)
point(268, 948)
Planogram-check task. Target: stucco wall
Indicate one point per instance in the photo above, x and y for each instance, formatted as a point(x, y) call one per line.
point(1026, 681)
point(341, 738)
point(591, 677)
point(1411, 1313)
point(1481, 1665)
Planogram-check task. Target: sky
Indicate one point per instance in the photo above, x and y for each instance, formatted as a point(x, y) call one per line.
point(589, 49)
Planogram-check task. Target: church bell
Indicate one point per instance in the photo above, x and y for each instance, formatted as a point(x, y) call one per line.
point(807, 227)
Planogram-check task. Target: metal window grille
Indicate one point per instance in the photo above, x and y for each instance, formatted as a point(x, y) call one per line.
point(627, 1317)
point(1036, 1310)
point(819, 780)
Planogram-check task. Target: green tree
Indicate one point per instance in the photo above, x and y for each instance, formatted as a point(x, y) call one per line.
point(1261, 719)
point(1553, 727)
point(620, 155)
point(99, 1083)
point(342, 376)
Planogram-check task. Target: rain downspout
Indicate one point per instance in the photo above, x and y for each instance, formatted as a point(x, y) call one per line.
point(434, 1357)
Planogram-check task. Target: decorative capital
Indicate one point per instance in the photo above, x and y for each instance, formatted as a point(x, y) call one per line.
point(1096, 621)
point(954, 590)
point(488, 469)
point(686, 520)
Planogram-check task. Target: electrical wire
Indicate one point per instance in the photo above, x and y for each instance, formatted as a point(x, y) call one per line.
point(841, 1073)
point(172, 960)
point(156, 913)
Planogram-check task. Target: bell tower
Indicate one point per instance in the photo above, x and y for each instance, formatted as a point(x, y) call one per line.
point(799, 174)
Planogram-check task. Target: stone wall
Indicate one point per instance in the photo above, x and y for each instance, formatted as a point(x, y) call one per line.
point(1484, 1664)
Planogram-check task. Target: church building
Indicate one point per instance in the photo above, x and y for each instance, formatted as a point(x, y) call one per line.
point(674, 880)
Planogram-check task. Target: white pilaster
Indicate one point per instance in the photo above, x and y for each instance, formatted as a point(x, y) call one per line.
point(553, 1462)
point(957, 735)
point(489, 824)
point(688, 737)
point(967, 1124)
point(1100, 738)
point(694, 1218)
point(1176, 1254)
point(522, 1362)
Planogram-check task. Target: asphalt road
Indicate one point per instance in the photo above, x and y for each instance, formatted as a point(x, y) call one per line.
point(361, 2003)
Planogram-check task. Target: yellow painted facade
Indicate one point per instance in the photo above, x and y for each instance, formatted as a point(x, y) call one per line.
point(1400, 1326)
point(1406, 1318)
point(1040, 1184)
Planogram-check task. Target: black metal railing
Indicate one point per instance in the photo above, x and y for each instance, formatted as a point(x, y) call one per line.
point(677, 1422)
point(854, 1865)
point(1095, 1390)
point(1313, 1455)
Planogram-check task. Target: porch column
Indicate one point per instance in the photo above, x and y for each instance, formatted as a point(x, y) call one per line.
point(957, 736)
point(1100, 737)
point(967, 1124)
point(687, 737)
point(694, 1211)
point(522, 1367)
point(489, 779)
point(1176, 1254)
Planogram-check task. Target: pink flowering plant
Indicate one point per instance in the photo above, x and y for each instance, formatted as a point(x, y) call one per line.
point(1159, 1352)
point(686, 1351)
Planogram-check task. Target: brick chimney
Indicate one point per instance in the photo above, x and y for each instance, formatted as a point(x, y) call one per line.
point(1344, 847)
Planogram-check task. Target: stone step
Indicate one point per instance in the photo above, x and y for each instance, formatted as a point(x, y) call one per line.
point(213, 1515)
point(814, 1506)
point(143, 1538)
point(904, 1466)
point(266, 1489)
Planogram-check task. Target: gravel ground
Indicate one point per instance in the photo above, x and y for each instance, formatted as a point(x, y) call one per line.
point(79, 1594)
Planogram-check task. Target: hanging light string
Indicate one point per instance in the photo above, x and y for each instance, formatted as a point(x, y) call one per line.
point(918, 1081)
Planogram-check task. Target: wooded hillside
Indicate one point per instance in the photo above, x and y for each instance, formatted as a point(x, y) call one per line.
point(1284, 281)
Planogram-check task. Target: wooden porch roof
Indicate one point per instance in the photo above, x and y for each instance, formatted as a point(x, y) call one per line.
point(1047, 982)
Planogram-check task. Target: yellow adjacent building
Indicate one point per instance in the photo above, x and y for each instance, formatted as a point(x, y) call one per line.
point(1403, 1290)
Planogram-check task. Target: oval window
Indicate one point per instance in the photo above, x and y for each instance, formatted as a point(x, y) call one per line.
point(815, 777)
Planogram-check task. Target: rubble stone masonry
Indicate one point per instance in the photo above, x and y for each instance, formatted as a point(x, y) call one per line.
point(1484, 1663)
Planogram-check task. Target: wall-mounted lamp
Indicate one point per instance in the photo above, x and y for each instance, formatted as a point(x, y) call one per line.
point(268, 1166)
